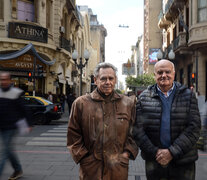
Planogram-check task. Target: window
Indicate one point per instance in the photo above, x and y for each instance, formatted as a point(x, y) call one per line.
point(202, 10)
point(25, 10)
point(1, 9)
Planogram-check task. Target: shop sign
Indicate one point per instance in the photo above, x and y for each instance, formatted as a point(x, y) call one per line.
point(28, 32)
point(25, 61)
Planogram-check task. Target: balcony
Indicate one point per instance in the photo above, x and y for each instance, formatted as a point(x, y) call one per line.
point(65, 44)
point(70, 4)
point(179, 45)
point(198, 34)
point(77, 16)
point(172, 9)
point(180, 41)
point(162, 22)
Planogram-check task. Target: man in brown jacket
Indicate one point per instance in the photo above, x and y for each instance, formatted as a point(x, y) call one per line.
point(99, 130)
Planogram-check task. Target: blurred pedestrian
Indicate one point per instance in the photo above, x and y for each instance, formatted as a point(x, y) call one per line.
point(50, 97)
point(12, 109)
point(167, 126)
point(99, 129)
point(70, 99)
point(62, 102)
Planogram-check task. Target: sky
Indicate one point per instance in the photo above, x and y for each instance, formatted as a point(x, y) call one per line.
point(112, 13)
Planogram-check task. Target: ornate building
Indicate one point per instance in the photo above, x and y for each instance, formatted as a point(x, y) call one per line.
point(152, 37)
point(38, 37)
point(184, 25)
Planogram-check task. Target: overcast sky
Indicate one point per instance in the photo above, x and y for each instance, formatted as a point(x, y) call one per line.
point(112, 13)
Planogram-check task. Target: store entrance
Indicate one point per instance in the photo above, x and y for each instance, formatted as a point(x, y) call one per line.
point(27, 86)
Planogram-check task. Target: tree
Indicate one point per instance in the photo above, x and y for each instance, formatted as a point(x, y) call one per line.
point(141, 81)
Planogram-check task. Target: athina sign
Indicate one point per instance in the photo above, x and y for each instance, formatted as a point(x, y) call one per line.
point(28, 32)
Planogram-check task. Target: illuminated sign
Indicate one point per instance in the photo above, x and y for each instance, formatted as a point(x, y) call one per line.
point(153, 55)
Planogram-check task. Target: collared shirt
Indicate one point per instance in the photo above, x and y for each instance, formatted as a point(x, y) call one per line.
point(169, 92)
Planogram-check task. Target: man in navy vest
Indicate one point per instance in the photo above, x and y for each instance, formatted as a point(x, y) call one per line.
point(167, 126)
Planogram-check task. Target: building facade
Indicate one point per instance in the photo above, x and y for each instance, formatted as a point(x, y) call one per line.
point(184, 26)
point(152, 37)
point(97, 35)
point(43, 35)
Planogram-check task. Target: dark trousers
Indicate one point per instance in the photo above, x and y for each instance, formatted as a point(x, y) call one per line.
point(154, 171)
point(7, 151)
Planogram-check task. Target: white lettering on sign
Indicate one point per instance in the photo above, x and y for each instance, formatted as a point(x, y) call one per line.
point(29, 31)
point(23, 65)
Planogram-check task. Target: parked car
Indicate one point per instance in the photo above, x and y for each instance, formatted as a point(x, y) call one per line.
point(41, 110)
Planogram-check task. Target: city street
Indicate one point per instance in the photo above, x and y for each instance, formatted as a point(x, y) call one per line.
point(44, 156)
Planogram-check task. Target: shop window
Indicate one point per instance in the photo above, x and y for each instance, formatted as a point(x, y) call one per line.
point(1, 9)
point(202, 10)
point(26, 10)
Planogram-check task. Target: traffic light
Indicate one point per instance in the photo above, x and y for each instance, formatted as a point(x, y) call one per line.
point(30, 76)
point(39, 70)
point(193, 76)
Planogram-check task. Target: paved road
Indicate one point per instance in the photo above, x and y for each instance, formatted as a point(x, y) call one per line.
point(44, 156)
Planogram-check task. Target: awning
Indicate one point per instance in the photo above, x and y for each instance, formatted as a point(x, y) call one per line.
point(29, 48)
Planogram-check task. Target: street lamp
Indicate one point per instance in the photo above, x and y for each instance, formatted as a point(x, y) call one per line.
point(171, 55)
point(159, 54)
point(80, 65)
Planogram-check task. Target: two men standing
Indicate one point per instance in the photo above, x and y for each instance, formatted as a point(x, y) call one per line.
point(166, 129)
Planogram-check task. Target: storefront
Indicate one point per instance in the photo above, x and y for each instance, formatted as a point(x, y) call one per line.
point(28, 69)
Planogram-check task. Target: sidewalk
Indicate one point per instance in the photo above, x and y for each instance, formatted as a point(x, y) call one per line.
point(55, 162)
point(49, 163)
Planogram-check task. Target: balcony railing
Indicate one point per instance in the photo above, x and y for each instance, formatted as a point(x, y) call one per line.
point(70, 4)
point(160, 15)
point(168, 5)
point(180, 41)
point(65, 44)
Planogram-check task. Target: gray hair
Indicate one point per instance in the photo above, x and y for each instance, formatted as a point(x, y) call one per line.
point(164, 60)
point(104, 65)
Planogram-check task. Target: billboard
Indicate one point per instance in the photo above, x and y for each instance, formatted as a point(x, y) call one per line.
point(153, 55)
point(128, 69)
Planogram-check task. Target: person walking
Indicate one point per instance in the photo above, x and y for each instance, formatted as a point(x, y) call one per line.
point(62, 102)
point(50, 96)
point(99, 131)
point(167, 127)
point(12, 109)
point(70, 99)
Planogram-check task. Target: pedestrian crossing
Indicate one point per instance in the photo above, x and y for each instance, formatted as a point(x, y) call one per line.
point(52, 137)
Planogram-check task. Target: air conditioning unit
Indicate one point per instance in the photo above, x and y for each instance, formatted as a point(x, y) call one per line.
point(62, 29)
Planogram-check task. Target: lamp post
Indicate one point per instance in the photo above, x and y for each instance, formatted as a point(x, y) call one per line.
point(171, 55)
point(159, 54)
point(81, 65)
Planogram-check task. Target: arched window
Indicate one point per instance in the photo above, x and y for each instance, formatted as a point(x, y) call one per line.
point(26, 10)
point(1, 9)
